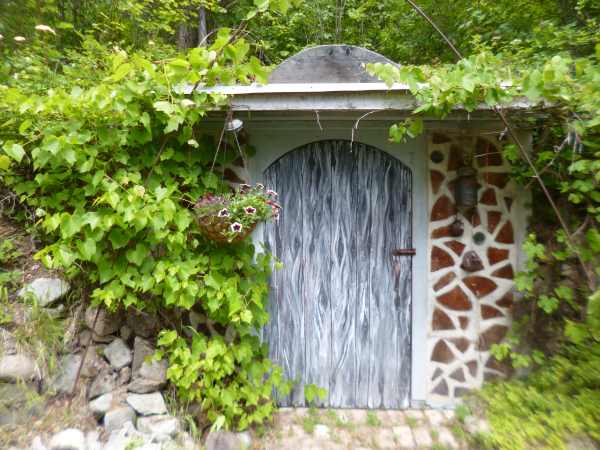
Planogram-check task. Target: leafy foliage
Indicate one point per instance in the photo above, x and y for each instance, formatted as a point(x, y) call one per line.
point(112, 166)
point(560, 281)
point(550, 407)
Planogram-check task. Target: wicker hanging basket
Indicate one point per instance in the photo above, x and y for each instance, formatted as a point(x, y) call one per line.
point(215, 228)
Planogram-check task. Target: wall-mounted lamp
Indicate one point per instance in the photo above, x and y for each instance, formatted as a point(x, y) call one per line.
point(465, 194)
point(234, 125)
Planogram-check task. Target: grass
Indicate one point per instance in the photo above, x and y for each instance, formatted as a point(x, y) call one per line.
point(411, 422)
point(311, 420)
point(438, 446)
point(462, 412)
point(372, 419)
point(182, 411)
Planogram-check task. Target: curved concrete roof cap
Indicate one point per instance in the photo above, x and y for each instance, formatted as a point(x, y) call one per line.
point(328, 64)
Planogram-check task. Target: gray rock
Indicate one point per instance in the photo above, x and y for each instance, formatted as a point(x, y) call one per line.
point(118, 354)
point(37, 444)
point(17, 367)
point(69, 439)
point(106, 381)
point(92, 440)
point(161, 427)
point(103, 339)
point(116, 418)
point(151, 376)
point(476, 425)
point(124, 376)
point(142, 323)
point(321, 431)
point(84, 338)
point(8, 343)
point(67, 372)
point(101, 405)
point(154, 370)
point(143, 386)
point(107, 323)
point(581, 443)
point(45, 290)
point(19, 403)
point(226, 440)
point(141, 349)
point(123, 437)
point(126, 333)
point(94, 363)
point(147, 404)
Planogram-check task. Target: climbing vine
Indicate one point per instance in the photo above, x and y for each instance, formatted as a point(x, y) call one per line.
point(557, 319)
point(110, 171)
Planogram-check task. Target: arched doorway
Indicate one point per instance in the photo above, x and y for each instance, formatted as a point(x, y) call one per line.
point(341, 306)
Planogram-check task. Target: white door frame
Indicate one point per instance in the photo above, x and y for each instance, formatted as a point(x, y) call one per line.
point(273, 139)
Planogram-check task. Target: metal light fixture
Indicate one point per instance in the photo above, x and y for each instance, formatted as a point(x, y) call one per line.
point(234, 125)
point(465, 194)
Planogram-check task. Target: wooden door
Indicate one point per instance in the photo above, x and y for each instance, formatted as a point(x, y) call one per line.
point(340, 307)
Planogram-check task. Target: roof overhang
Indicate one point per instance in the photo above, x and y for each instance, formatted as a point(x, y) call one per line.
point(298, 97)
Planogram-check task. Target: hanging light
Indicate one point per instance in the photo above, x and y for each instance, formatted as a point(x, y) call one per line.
point(465, 194)
point(234, 125)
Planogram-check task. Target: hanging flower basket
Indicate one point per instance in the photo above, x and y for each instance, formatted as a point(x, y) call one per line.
point(231, 217)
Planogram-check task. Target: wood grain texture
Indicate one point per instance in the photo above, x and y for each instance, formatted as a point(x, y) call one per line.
point(343, 275)
point(316, 238)
point(342, 302)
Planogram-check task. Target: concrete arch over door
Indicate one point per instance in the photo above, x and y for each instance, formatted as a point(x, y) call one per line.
point(273, 139)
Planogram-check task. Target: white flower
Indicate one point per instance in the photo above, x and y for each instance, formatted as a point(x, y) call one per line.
point(250, 210)
point(236, 227)
point(19, 38)
point(45, 29)
point(1, 37)
point(224, 213)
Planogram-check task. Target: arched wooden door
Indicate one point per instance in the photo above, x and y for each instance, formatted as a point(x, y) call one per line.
point(340, 307)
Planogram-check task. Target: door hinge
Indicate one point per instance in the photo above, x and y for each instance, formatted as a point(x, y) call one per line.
point(404, 252)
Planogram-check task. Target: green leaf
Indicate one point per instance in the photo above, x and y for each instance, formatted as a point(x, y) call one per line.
point(138, 255)
point(165, 107)
point(15, 151)
point(87, 248)
point(4, 162)
point(118, 238)
point(166, 338)
point(121, 72)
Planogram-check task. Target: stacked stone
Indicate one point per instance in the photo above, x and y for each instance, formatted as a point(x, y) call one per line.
point(19, 372)
point(471, 271)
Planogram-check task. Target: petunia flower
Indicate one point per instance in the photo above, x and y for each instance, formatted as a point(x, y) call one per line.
point(224, 213)
point(19, 38)
point(250, 210)
point(236, 227)
point(45, 29)
point(260, 186)
point(271, 192)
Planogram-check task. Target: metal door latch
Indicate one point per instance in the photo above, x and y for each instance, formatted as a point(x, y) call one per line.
point(404, 252)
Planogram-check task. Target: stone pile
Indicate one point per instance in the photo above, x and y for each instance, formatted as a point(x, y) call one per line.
point(119, 377)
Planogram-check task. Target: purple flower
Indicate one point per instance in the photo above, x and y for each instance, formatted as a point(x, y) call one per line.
point(236, 227)
point(224, 213)
point(271, 192)
point(250, 210)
